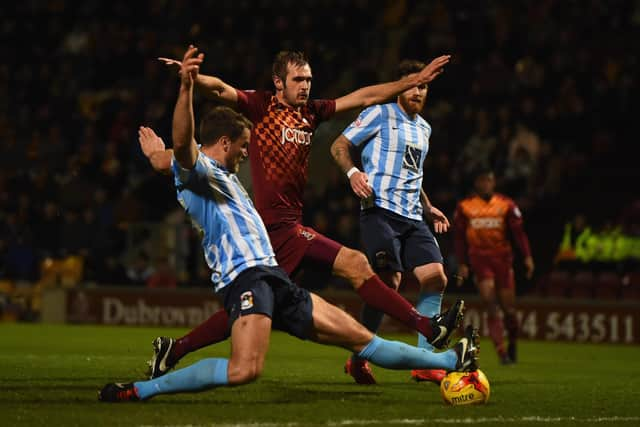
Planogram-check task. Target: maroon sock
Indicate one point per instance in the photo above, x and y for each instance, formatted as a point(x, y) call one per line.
point(211, 331)
point(378, 295)
point(496, 332)
point(511, 325)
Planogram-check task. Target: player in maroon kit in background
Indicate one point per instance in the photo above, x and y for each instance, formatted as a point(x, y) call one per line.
point(284, 122)
point(481, 223)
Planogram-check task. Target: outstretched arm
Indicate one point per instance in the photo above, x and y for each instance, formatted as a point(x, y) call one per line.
point(154, 149)
point(380, 93)
point(359, 180)
point(215, 88)
point(184, 146)
point(211, 87)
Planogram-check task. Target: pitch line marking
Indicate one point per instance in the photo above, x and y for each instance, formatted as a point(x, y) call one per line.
point(485, 420)
point(424, 421)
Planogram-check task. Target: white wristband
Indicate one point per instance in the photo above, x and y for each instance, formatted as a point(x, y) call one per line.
point(352, 171)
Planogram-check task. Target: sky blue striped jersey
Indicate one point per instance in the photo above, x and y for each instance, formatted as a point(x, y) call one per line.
point(234, 237)
point(394, 147)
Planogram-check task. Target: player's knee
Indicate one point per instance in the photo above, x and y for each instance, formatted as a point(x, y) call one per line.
point(355, 267)
point(436, 283)
point(443, 281)
point(244, 373)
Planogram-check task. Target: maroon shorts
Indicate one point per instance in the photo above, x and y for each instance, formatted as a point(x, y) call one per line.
point(497, 267)
point(298, 246)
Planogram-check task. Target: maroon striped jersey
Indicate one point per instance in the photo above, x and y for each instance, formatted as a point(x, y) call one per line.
point(279, 151)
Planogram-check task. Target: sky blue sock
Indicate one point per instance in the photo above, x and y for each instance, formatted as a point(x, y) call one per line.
point(207, 373)
point(371, 319)
point(398, 355)
point(429, 304)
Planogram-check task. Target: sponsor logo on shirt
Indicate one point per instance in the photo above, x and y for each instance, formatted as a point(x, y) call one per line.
point(412, 157)
point(296, 135)
point(486, 223)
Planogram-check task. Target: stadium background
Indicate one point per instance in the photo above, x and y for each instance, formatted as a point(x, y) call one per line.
point(542, 91)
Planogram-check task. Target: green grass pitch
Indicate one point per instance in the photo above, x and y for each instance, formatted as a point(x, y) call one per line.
point(50, 375)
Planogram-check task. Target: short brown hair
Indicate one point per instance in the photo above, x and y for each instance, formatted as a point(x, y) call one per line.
point(409, 66)
point(284, 58)
point(222, 121)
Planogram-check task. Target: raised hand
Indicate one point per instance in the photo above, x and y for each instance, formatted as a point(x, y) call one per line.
point(433, 69)
point(150, 143)
point(169, 61)
point(190, 66)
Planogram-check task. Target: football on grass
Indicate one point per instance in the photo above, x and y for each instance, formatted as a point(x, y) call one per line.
point(465, 388)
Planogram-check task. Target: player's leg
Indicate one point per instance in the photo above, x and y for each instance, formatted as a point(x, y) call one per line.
point(433, 281)
point(250, 303)
point(353, 266)
point(308, 316)
point(371, 318)
point(168, 351)
point(506, 291)
point(422, 255)
point(485, 283)
point(487, 290)
point(290, 244)
point(382, 248)
point(334, 326)
point(249, 345)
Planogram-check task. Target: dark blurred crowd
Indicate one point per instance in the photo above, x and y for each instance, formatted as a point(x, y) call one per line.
point(541, 91)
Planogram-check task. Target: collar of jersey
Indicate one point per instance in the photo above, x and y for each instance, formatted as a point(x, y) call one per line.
point(276, 102)
point(215, 163)
point(396, 106)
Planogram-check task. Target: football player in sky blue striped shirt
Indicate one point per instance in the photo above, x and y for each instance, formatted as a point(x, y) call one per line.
point(393, 140)
point(257, 294)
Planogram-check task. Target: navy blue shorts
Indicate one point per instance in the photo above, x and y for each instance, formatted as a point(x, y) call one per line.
point(396, 243)
point(269, 291)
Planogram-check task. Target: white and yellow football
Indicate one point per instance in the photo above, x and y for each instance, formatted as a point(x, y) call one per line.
point(465, 388)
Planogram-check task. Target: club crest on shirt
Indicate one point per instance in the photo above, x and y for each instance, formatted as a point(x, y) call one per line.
point(246, 300)
point(306, 234)
point(382, 259)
